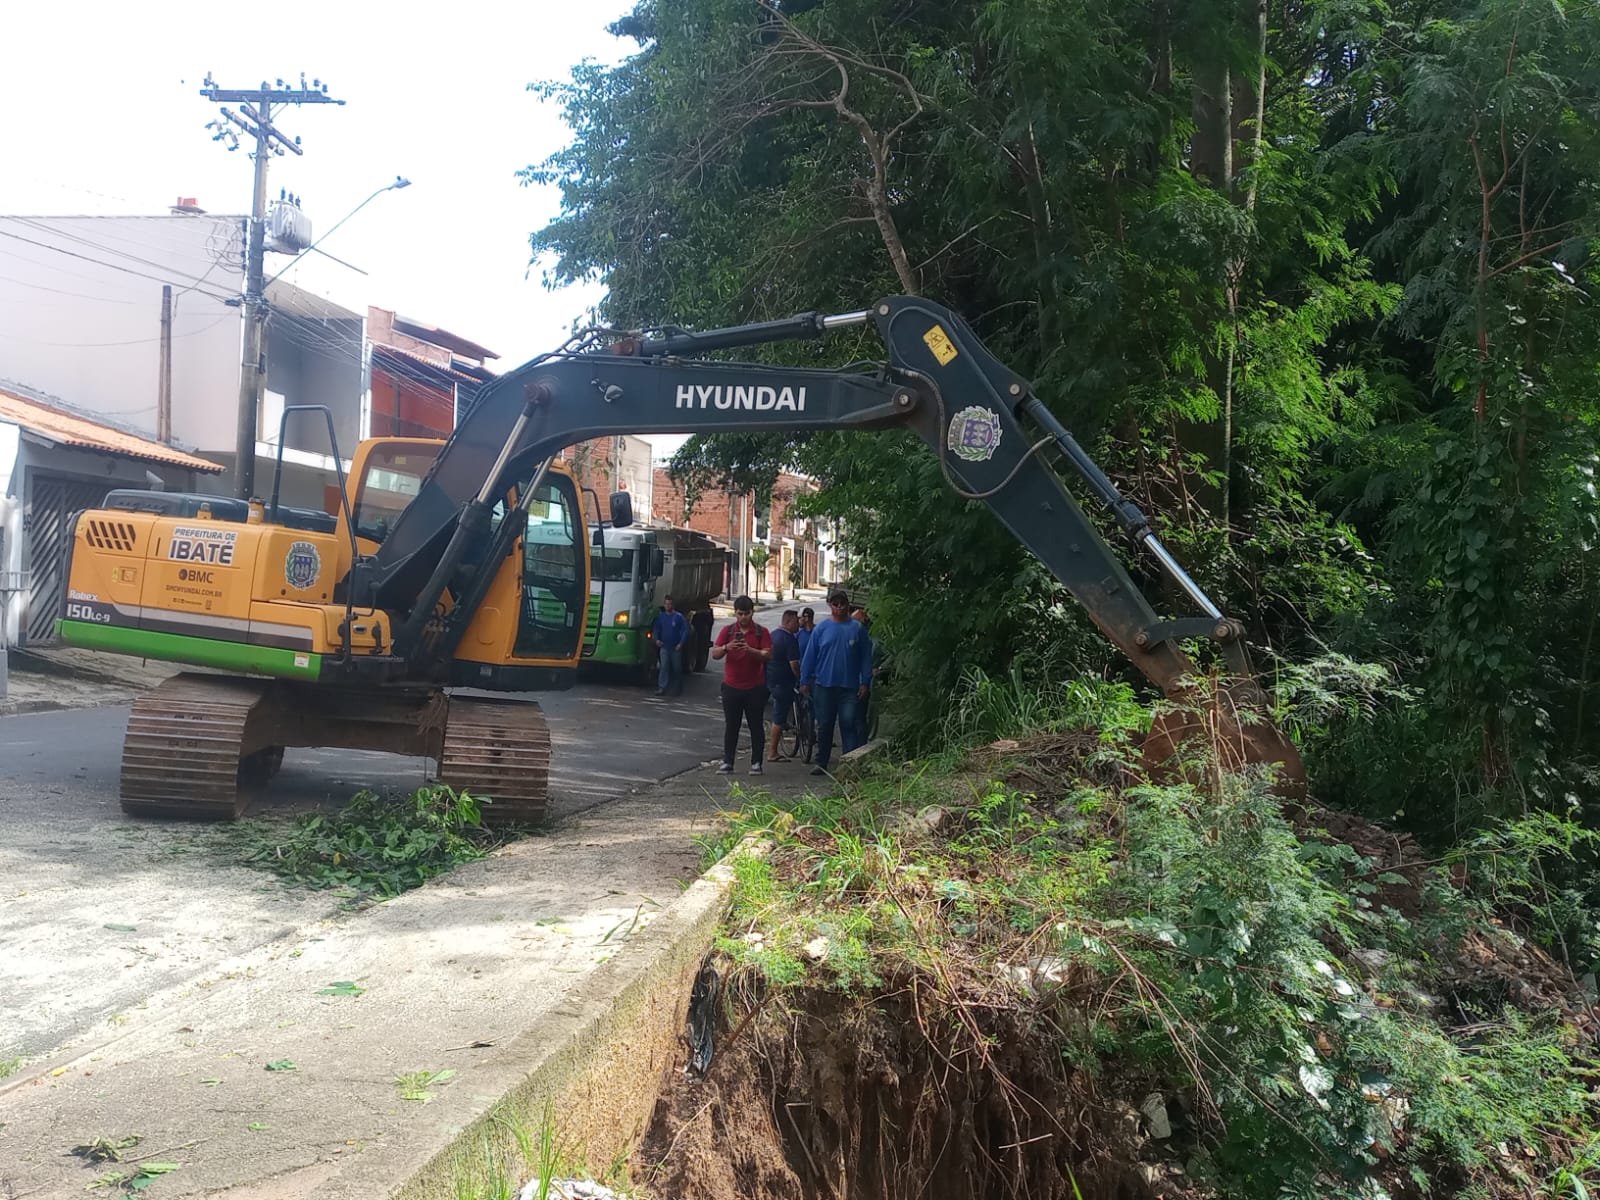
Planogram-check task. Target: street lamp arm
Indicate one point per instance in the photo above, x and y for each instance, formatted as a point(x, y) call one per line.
point(399, 182)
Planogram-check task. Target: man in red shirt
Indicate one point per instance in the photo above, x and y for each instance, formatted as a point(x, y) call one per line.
point(746, 646)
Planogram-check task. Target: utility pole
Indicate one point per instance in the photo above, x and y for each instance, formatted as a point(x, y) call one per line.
point(254, 116)
point(164, 384)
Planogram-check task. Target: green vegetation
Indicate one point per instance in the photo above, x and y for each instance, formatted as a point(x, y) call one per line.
point(1325, 1024)
point(759, 557)
point(414, 1085)
point(140, 1172)
point(508, 1151)
point(1314, 283)
point(376, 844)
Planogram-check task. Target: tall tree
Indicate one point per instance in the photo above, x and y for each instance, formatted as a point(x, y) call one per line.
point(1313, 281)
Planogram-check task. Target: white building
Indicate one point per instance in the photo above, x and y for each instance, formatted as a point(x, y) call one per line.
point(128, 329)
point(81, 303)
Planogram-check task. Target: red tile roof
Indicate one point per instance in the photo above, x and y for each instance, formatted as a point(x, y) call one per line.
point(379, 351)
point(71, 430)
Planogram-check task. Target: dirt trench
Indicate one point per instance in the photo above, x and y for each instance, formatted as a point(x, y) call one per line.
point(835, 1098)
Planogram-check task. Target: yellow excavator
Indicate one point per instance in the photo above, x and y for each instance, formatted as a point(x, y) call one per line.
point(465, 564)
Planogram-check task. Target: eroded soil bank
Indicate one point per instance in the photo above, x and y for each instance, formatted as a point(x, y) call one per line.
point(1021, 972)
point(836, 1099)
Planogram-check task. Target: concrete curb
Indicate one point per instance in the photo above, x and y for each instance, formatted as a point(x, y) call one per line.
point(589, 1070)
point(20, 708)
point(16, 708)
point(866, 751)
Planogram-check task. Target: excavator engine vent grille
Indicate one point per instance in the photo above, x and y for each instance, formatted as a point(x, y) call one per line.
point(111, 535)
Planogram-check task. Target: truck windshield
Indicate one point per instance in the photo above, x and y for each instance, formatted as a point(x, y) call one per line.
point(611, 565)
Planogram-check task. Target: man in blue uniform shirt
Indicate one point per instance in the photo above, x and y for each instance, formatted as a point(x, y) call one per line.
point(670, 631)
point(835, 672)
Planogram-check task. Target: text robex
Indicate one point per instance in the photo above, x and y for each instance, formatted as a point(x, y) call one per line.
point(754, 397)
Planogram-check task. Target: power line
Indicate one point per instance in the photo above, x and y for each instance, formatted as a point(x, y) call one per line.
point(59, 292)
point(102, 345)
point(66, 272)
point(102, 263)
point(74, 236)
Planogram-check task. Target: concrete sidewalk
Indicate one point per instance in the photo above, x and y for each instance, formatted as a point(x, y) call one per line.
point(264, 1080)
point(49, 678)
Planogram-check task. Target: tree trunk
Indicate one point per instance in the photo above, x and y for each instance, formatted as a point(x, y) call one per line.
point(1039, 219)
point(1211, 106)
point(1211, 160)
point(1250, 102)
point(1229, 111)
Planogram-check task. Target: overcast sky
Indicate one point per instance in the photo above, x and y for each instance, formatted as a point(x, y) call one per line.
point(103, 115)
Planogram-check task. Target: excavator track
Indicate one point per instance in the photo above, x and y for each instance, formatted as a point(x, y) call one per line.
point(197, 747)
point(499, 749)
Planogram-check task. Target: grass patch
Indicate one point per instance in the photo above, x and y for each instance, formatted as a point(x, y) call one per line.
point(375, 845)
point(510, 1153)
point(414, 1085)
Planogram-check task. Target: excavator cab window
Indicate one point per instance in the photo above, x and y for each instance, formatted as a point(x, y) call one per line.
point(555, 584)
point(393, 477)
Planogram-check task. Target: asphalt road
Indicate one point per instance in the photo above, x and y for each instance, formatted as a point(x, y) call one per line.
point(99, 910)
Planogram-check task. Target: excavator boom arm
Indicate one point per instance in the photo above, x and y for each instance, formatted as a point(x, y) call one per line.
point(940, 381)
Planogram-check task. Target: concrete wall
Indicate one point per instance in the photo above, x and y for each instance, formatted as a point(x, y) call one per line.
point(80, 316)
point(305, 373)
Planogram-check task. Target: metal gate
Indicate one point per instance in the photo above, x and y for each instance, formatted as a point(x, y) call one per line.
point(52, 501)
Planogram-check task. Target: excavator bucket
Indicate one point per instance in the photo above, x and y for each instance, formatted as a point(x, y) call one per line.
point(1222, 727)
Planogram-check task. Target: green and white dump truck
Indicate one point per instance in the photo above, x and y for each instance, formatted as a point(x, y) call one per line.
point(630, 577)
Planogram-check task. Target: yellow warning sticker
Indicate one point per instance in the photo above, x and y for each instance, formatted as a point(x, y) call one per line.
point(941, 345)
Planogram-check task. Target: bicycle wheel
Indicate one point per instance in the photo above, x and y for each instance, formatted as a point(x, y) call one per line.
point(806, 732)
point(789, 739)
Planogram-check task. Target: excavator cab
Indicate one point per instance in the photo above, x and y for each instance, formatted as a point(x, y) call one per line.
point(555, 584)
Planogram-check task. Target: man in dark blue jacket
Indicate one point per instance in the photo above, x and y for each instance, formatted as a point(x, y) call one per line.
point(783, 676)
point(670, 631)
point(835, 672)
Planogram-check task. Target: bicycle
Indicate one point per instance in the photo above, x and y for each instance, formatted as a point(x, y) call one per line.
point(798, 738)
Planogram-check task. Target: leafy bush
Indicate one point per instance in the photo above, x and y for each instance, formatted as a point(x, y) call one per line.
point(381, 844)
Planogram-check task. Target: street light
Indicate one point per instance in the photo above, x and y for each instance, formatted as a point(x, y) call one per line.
point(400, 181)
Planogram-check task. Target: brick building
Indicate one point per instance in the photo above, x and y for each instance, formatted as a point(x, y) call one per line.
point(734, 519)
point(424, 379)
point(616, 464)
